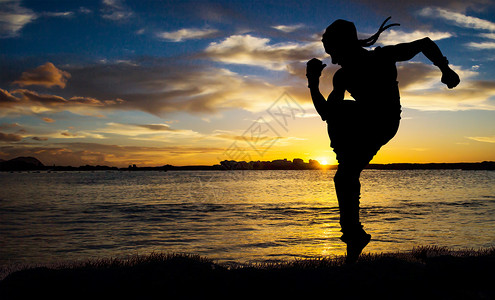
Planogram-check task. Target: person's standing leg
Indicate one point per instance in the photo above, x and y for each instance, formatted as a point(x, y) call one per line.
point(347, 187)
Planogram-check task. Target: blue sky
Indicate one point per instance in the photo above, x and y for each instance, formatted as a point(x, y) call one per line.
point(184, 82)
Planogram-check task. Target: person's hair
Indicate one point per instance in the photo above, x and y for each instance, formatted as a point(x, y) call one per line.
point(342, 31)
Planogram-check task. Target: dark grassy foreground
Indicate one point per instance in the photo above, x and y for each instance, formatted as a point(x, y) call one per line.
point(423, 273)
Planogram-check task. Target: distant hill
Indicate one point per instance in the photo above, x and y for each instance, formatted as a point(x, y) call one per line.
point(21, 164)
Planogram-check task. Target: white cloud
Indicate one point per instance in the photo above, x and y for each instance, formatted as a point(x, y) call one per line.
point(484, 139)
point(391, 37)
point(255, 51)
point(84, 10)
point(481, 45)
point(115, 10)
point(486, 45)
point(458, 19)
point(13, 17)
point(187, 34)
point(58, 14)
point(288, 28)
point(488, 35)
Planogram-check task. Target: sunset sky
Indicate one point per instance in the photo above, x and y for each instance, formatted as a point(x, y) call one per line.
point(195, 82)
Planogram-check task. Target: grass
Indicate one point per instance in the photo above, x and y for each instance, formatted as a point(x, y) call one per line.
point(422, 273)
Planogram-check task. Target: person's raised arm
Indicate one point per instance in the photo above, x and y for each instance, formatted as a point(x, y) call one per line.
point(313, 73)
point(406, 51)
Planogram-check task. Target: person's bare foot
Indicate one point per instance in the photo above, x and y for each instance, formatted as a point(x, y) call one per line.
point(355, 247)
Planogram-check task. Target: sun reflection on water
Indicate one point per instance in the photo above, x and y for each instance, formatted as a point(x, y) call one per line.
point(236, 215)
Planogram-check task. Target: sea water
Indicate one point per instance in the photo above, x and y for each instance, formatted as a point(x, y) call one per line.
point(242, 216)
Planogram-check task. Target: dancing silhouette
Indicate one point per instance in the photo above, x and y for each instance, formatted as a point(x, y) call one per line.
point(358, 129)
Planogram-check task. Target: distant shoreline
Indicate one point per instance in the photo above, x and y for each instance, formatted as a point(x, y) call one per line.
point(33, 164)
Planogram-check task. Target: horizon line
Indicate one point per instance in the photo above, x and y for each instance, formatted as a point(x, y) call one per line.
point(284, 160)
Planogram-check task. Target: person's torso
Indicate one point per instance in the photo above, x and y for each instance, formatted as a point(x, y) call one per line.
point(372, 81)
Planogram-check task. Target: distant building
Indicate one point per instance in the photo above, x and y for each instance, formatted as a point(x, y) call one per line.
point(298, 161)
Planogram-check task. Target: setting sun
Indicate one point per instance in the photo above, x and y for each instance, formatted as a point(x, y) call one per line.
point(324, 161)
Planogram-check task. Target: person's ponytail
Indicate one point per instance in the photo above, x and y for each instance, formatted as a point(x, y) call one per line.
point(372, 39)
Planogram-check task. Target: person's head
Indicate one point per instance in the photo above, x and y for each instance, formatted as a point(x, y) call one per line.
point(341, 41)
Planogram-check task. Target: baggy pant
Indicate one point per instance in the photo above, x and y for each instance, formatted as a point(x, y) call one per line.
point(348, 189)
point(356, 138)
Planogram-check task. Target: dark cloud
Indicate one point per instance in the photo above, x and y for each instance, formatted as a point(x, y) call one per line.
point(156, 127)
point(68, 134)
point(9, 125)
point(7, 99)
point(10, 137)
point(48, 120)
point(160, 86)
point(21, 131)
point(29, 99)
point(37, 138)
point(416, 73)
point(46, 75)
point(31, 96)
point(156, 86)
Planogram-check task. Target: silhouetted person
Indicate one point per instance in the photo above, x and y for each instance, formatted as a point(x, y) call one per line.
point(358, 129)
